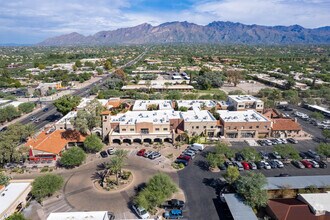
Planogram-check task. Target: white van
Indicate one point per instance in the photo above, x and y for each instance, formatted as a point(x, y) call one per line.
point(196, 146)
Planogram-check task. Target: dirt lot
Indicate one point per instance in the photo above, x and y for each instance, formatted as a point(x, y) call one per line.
point(251, 87)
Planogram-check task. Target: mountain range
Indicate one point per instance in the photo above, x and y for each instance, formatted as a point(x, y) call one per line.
point(185, 32)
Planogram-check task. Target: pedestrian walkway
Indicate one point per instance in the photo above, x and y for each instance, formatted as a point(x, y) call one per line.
point(55, 204)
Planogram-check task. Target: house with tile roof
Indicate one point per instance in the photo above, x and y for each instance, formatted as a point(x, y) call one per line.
point(48, 146)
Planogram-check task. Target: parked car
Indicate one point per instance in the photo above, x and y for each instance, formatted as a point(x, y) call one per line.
point(252, 166)
point(291, 140)
point(266, 165)
point(279, 140)
point(262, 143)
point(322, 164)
point(275, 155)
point(239, 165)
point(245, 165)
point(272, 164)
point(173, 214)
point(189, 153)
point(284, 141)
point(239, 157)
point(197, 146)
point(264, 155)
point(260, 165)
point(228, 163)
point(148, 153)
point(274, 141)
point(184, 162)
point(314, 163)
point(33, 118)
point(173, 204)
point(303, 155)
point(111, 151)
point(154, 155)
point(37, 120)
point(222, 166)
point(103, 154)
point(141, 152)
point(184, 157)
point(45, 109)
point(141, 212)
point(312, 154)
point(268, 142)
point(279, 163)
point(298, 164)
point(306, 163)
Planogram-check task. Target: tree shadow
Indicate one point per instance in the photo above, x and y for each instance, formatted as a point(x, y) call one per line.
point(98, 176)
point(101, 166)
point(202, 164)
point(139, 187)
point(215, 183)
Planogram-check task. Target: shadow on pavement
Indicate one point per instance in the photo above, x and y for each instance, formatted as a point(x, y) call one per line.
point(202, 164)
point(222, 210)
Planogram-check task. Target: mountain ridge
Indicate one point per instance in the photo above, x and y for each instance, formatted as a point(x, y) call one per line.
point(225, 32)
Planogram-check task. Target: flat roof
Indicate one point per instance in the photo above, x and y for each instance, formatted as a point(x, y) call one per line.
point(5, 103)
point(98, 215)
point(297, 182)
point(320, 108)
point(196, 103)
point(197, 115)
point(67, 118)
point(142, 105)
point(242, 116)
point(156, 117)
point(10, 194)
point(181, 86)
point(244, 98)
point(239, 210)
point(320, 202)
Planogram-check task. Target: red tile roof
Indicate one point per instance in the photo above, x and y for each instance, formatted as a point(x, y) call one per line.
point(292, 209)
point(285, 124)
point(55, 141)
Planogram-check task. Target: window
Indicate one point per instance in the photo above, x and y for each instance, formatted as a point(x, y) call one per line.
point(204, 127)
point(257, 126)
point(211, 126)
point(192, 127)
point(156, 129)
point(124, 129)
point(242, 127)
point(265, 126)
point(164, 129)
point(235, 127)
point(144, 130)
point(250, 127)
point(240, 106)
point(132, 129)
point(197, 127)
point(228, 127)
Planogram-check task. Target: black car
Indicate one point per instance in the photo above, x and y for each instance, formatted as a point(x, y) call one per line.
point(322, 164)
point(239, 157)
point(45, 109)
point(303, 155)
point(272, 164)
point(228, 163)
point(103, 154)
point(260, 165)
point(288, 108)
point(174, 204)
point(222, 166)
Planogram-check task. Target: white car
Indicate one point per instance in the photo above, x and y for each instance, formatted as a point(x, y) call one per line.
point(284, 141)
point(267, 166)
point(279, 163)
point(141, 212)
point(314, 164)
point(111, 151)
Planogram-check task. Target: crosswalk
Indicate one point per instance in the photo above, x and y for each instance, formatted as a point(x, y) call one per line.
point(56, 205)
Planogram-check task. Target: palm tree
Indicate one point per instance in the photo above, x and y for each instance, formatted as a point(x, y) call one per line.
point(115, 166)
point(122, 155)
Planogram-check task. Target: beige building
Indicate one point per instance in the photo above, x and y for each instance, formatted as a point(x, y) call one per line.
point(244, 124)
point(14, 197)
point(157, 125)
point(245, 102)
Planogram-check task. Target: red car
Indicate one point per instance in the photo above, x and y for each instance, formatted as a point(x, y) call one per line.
point(184, 157)
point(141, 152)
point(245, 165)
point(306, 163)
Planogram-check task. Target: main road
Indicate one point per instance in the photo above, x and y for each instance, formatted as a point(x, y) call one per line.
point(52, 114)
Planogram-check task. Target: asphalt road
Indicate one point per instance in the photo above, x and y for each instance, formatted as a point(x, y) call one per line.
point(52, 114)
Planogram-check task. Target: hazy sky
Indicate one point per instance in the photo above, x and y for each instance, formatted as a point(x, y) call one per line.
point(31, 21)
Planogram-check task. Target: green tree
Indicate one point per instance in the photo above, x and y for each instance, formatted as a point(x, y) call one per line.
point(250, 187)
point(214, 159)
point(231, 175)
point(250, 154)
point(72, 157)
point(183, 109)
point(222, 148)
point(93, 143)
point(326, 133)
point(287, 151)
point(78, 64)
point(16, 216)
point(173, 95)
point(26, 107)
point(46, 185)
point(318, 116)
point(234, 76)
point(67, 103)
point(4, 180)
point(158, 189)
point(107, 65)
point(323, 149)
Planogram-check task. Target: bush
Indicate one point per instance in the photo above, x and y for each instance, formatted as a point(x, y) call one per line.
point(73, 157)
point(26, 107)
point(16, 216)
point(126, 175)
point(178, 166)
point(46, 185)
point(324, 149)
